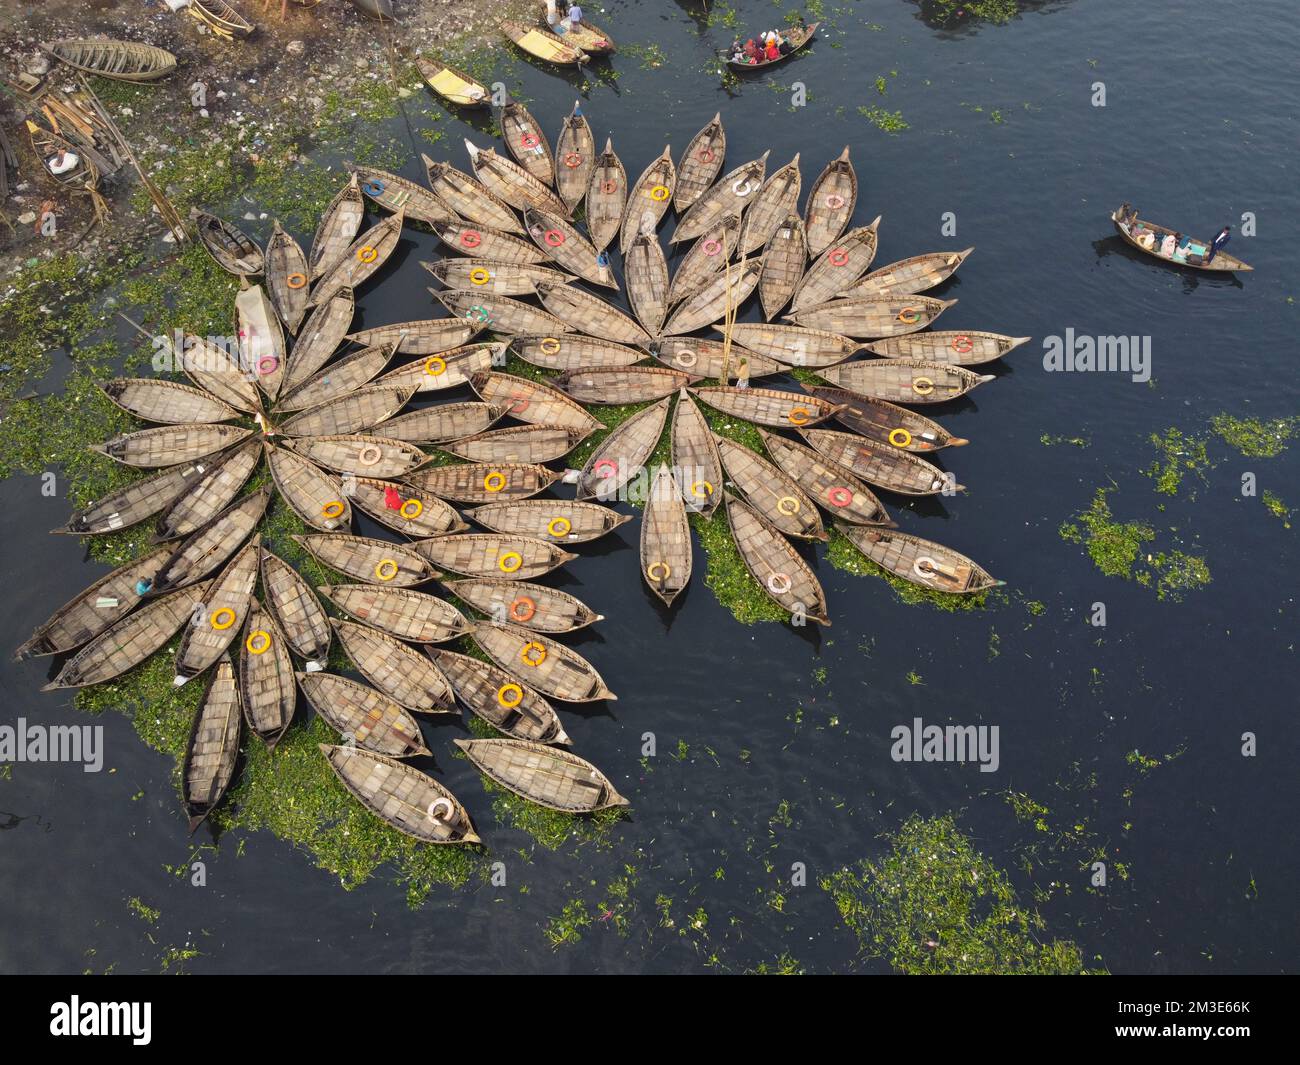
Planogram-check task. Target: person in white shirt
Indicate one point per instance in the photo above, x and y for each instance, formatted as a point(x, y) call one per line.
point(575, 14)
point(63, 163)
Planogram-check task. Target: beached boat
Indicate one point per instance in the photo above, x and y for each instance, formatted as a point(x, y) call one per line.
point(828, 485)
point(726, 290)
point(910, 381)
point(260, 337)
point(230, 247)
point(210, 546)
point(606, 197)
point(397, 194)
point(838, 267)
point(220, 17)
point(512, 183)
point(533, 402)
point(783, 266)
point(371, 456)
point(451, 84)
point(215, 369)
point(648, 199)
point(696, 462)
point(797, 37)
point(878, 420)
point(137, 502)
point(416, 617)
point(448, 421)
point(494, 695)
point(731, 195)
point(339, 224)
point(212, 749)
point(922, 562)
point(287, 278)
point(623, 454)
point(220, 484)
point(767, 406)
point(518, 443)
point(665, 538)
point(646, 271)
point(301, 619)
point(561, 521)
point(366, 559)
point(501, 314)
point(701, 163)
point(544, 664)
point(472, 239)
point(318, 338)
point(363, 258)
point(569, 351)
point(268, 688)
point(910, 276)
point(542, 45)
point(470, 198)
point(873, 316)
point(351, 413)
point(225, 609)
point(618, 385)
point(575, 155)
point(771, 491)
point(166, 402)
point(969, 348)
point(410, 801)
point(362, 715)
point(532, 606)
point(119, 60)
point(493, 555)
point(879, 463)
point(398, 671)
point(493, 276)
point(781, 573)
point(830, 205)
point(428, 336)
point(711, 358)
point(311, 493)
point(590, 38)
point(339, 378)
point(792, 345)
point(484, 482)
point(554, 779)
point(379, 10)
point(51, 148)
point(776, 200)
point(1194, 250)
point(561, 242)
point(526, 142)
point(585, 313)
point(404, 509)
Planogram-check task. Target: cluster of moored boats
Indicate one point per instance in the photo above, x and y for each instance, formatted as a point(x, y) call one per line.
point(342, 418)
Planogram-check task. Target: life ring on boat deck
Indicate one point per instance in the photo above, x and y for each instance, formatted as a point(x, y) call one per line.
point(900, 437)
point(909, 316)
point(258, 643)
point(367, 254)
point(532, 654)
point(518, 404)
point(711, 247)
point(659, 193)
point(554, 238)
point(479, 276)
point(494, 481)
point(834, 201)
point(706, 494)
point(522, 609)
point(333, 509)
point(370, 455)
point(440, 803)
point(788, 506)
point(799, 416)
point(560, 526)
point(222, 619)
point(471, 238)
point(658, 572)
point(735, 187)
point(528, 140)
point(296, 280)
point(705, 155)
point(779, 584)
point(922, 386)
point(685, 357)
point(838, 257)
point(510, 562)
point(264, 369)
point(373, 187)
point(839, 496)
point(435, 366)
point(962, 344)
point(478, 313)
point(573, 160)
point(549, 346)
point(925, 567)
point(419, 509)
point(605, 464)
point(386, 570)
point(510, 695)
point(609, 187)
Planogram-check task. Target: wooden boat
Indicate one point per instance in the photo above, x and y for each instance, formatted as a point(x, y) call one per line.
point(211, 545)
point(569, 351)
point(501, 314)
point(884, 422)
point(555, 779)
point(398, 671)
point(1222, 263)
point(879, 463)
point(363, 716)
point(518, 443)
point(379, 10)
point(493, 555)
point(439, 373)
point(531, 606)
point(922, 562)
point(796, 36)
point(49, 147)
point(96, 608)
point(830, 205)
point(287, 278)
point(709, 359)
point(470, 238)
point(225, 608)
point(119, 60)
point(533, 402)
point(782, 266)
point(665, 538)
point(137, 502)
point(318, 338)
point(230, 247)
point(770, 491)
point(911, 381)
point(606, 197)
point(339, 378)
point(512, 183)
point(267, 685)
point(311, 493)
point(623, 454)
point(909, 276)
point(726, 290)
point(494, 695)
point(695, 457)
point(970, 348)
point(362, 409)
point(300, 618)
point(838, 267)
point(404, 509)
point(451, 84)
point(873, 316)
point(339, 224)
point(396, 194)
point(166, 402)
point(731, 195)
point(575, 154)
point(212, 750)
point(372, 456)
point(491, 276)
point(828, 485)
point(484, 482)
point(404, 798)
point(561, 521)
point(542, 45)
point(561, 242)
point(131, 640)
point(767, 406)
point(261, 338)
point(416, 617)
point(590, 39)
point(217, 487)
point(648, 199)
point(792, 345)
point(646, 271)
point(365, 559)
point(469, 197)
point(221, 18)
point(782, 574)
point(777, 199)
point(449, 421)
point(429, 336)
point(364, 257)
point(705, 259)
point(618, 385)
point(701, 164)
point(525, 141)
point(544, 664)
point(216, 370)
point(585, 313)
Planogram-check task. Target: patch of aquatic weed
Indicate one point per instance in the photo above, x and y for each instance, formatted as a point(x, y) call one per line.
point(841, 554)
point(1178, 454)
point(1274, 505)
point(946, 12)
point(1255, 437)
point(933, 904)
point(883, 120)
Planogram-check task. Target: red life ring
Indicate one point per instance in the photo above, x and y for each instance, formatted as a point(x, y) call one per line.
point(711, 247)
point(573, 160)
point(962, 344)
point(554, 238)
point(471, 238)
point(705, 155)
point(604, 464)
point(839, 496)
point(609, 187)
point(838, 257)
point(528, 140)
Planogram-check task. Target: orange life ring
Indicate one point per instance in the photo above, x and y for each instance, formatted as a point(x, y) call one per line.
point(909, 316)
point(518, 404)
point(333, 509)
point(573, 160)
point(554, 238)
point(799, 416)
point(838, 257)
point(962, 344)
point(522, 609)
point(839, 496)
point(296, 280)
point(471, 238)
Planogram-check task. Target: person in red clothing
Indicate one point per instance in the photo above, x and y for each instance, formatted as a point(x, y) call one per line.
point(751, 51)
point(773, 51)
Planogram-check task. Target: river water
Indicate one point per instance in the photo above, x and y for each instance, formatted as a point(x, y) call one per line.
point(786, 734)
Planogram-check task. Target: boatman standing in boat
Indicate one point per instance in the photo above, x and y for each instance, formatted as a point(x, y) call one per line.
point(1218, 242)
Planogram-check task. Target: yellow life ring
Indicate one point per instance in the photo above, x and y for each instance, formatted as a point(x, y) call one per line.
point(549, 346)
point(479, 276)
point(494, 481)
point(222, 619)
point(333, 509)
point(788, 505)
point(367, 254)
point(510, 695)
point(922, 386)
point(386, 570)
point(659, 193)
point(803, 414)
point(439, 362)
point(258, 643)
point(909, 316)
point(532, 654)
point(510, 562)
point(559, 526)
point(706, 494)
point(419, 509)
point(900, 437)
point(296, 280)
point(664, 571)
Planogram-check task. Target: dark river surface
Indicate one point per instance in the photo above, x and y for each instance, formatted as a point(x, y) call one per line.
point(1199, 127)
